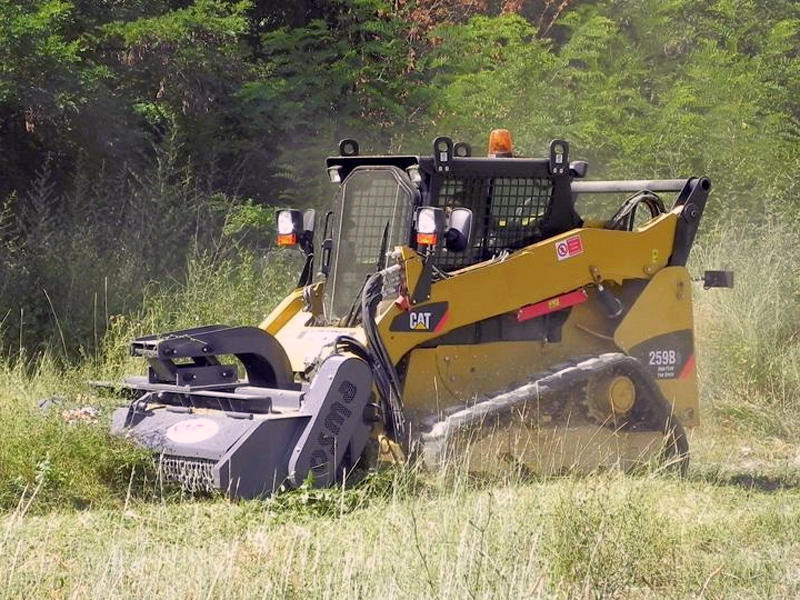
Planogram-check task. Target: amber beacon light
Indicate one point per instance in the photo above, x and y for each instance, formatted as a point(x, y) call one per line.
point(500, 143)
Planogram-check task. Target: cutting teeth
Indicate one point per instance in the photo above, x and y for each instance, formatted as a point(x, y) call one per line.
point(192, 474)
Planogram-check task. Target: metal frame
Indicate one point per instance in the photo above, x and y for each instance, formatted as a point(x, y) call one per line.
point(488, 180)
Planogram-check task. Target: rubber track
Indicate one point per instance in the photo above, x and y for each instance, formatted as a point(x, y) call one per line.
point(548, 389)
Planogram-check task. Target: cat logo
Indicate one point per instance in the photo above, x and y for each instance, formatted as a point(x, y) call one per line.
point(420, 321)
point(423, 318)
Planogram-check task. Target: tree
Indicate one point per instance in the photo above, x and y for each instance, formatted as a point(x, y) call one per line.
point(43, 84)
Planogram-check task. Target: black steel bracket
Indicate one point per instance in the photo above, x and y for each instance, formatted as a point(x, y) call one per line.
point(262, 356)
point(442, 154)
point(717, 279)
point(692, 201)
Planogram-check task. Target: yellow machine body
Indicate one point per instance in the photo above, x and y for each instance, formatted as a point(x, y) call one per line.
point(633, 264)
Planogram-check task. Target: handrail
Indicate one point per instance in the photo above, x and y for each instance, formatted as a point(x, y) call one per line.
point(633, 185)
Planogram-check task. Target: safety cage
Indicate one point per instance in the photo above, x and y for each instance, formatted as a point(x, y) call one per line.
point(507, 213)
point(515, 201)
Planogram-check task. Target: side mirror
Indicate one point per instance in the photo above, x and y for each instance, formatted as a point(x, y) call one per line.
point(578, 168)
point(460, 230)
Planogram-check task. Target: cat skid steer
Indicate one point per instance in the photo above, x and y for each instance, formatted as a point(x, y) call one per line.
point(462, 308)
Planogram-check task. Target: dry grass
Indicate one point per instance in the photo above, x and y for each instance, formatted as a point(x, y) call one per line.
point(714, 535)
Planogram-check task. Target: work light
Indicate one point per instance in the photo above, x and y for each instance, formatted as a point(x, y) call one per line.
point(414, 175)
point(335, 174)
point(290, 225)
point(430, 225)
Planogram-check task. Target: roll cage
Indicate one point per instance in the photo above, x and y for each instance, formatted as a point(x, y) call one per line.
point(515, 201)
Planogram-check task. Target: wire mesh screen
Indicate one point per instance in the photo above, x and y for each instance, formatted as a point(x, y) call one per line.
point(372, 202)
point(506, 213)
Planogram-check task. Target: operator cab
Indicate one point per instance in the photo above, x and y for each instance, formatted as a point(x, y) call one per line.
point(514, 202)
point(372, 214)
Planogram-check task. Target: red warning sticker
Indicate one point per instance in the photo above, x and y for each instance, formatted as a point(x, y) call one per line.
point(569, 247)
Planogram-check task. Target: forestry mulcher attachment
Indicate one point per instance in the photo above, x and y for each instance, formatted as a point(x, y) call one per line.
point(463, 308)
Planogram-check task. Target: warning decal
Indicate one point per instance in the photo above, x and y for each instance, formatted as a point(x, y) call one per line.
point(569, 247)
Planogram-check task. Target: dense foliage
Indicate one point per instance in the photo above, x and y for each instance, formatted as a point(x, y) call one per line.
point(138, 134)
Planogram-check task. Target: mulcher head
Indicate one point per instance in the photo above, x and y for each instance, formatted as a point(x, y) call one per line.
point(213, 431)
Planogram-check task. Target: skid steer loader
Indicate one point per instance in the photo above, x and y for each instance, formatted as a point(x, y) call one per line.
point(462, 307)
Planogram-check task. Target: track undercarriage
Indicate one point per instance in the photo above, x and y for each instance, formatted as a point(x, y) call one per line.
point(602, 411)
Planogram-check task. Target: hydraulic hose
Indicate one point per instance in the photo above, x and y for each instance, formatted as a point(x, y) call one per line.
point(385, 373)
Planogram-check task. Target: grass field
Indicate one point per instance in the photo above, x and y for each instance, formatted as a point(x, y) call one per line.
point(83, 517)
point(732, 529)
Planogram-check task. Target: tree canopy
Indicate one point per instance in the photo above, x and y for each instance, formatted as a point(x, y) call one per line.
point(130, 129)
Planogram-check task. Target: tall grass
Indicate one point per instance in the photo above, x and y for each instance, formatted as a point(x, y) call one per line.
point(730, 530)
point(232, 291)
point(51, 461)
point(78, 463)
point(749, 337)
point(603, 537)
